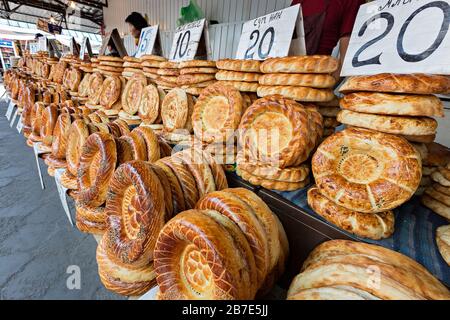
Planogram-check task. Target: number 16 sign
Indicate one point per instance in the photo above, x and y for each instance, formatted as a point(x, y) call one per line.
point(400, 37)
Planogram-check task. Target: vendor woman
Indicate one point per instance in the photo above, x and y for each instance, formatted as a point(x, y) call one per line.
point(136, 22)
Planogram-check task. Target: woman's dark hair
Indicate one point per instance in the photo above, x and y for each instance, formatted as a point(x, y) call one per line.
point(137, 20)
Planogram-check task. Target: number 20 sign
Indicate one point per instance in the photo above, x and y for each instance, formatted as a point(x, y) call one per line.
point(405, 36)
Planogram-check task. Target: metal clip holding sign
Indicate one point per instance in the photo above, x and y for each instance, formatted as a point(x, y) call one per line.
point(37, 152)
point(63, 193)
point(10, 110)
point(14, 118)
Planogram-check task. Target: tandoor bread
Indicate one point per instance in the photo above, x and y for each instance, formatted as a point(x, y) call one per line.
point(303, 94)
point(418, 126)
point(176, 110)
point(198, 70)
point(217, 113)
point(197, 64)
point(398, 83)
point(373, 226)
point(239, 65)
point(278, 131)
point(367, 171)
point(344, 265)
point(241, 85)
point(150, 104)
point(237, 76)
point(443, 242)
point(320, 81)
point(271, 184)
point(390, 104)
point(300, 64)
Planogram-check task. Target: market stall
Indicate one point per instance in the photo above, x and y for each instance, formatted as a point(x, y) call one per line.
point(209, 174)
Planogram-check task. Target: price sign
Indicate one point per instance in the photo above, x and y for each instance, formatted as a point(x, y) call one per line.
point(62, 193)
point(271, 35)
point(10, 110)
point(400, 37)
point(147, 41)
point(34, 48)
point(187, 39)
point(19, 126)
point(37, 152)
point(14, 118)
point(43, 44)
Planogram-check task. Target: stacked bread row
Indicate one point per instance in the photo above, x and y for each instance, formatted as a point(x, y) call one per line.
point(437, 196)
point(110, 66)
point(347, 270)
point(132, 66)
point(233, 224)
point(195, 75)
point(395, 103)
point(150, 65)
point(361, 176)
point(142, 197)
point(277, 136)
point(240, 74)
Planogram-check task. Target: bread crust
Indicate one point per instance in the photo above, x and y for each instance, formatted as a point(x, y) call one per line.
point(367, 171)
point(319, 81)
point(417, 83)
point(239, 65)
point(443, 242)
point(417, 126)
point(300, 64)
point(389, 104)
point(225, 75)
point(302, 94)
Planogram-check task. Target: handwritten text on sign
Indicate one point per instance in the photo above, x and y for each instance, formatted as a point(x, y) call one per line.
point(269, 36)
point(147, 41)
point(186, 41)
point(401, 37)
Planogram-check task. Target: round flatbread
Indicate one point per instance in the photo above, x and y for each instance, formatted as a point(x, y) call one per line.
point(302, 94)
point(320, 81)
point(300, 64)
point(239, 65)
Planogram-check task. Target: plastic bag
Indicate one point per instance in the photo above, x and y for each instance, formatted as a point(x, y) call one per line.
point(191, 13)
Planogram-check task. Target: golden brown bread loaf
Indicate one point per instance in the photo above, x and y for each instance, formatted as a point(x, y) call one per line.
point(133, 93)
point(217, 113)
point(96, 167)
point(61, 133)
point(319, 81)
point(407, 126)
point(269, 184)
point(303, 94)
point(300, 64)
point(373, 226)
point(179, 203)
point(151, 143)
point(239, 65)
point(95, 88)
point(198, 70)
point(90, 220)
point(278, 131)
point(150, 105)
point(398, 83)
point(240, 85)
point(69, 181)
point(137, 143)
point(367, 171)
point(176, 110)
point(226, 75)
point(390, 104)
point(48, 123)
point(443, 242)
point(215, 261)
point(110, 92)
point(344, 264)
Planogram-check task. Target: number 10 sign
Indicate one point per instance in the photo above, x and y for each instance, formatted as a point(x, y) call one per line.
point(400, 37)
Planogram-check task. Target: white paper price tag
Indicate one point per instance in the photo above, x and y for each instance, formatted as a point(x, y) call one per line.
point(43, 45)
point(19, 126)
point(14, 118)
point(147, 41)
point(400, 37)
point(10, 110)
point(37, 152)
point(34, 48)
point(62, 193)
point(268, 36)
point(186, 41)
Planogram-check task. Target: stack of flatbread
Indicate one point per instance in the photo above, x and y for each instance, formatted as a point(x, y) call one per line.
point(132, 66)
point(110, 66)
point(95, 63)
point(348, 270)
point(241, 74)
point(150, 65)
point(277, 136)
point(395, 103)
point(437, 196)
point(176, 113)
point(301, 78)
point(329, 111)
point(87, 67)
point(195, 75)
point(167, 75)
point(131, 99)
